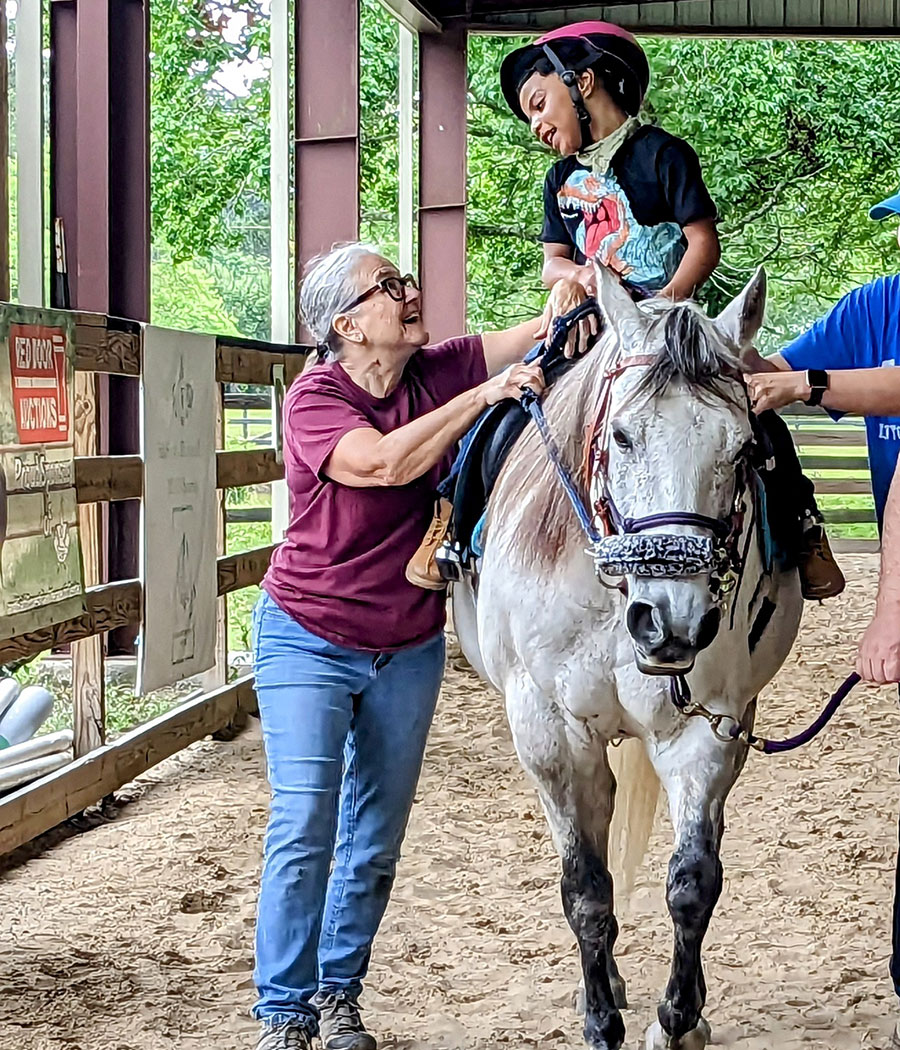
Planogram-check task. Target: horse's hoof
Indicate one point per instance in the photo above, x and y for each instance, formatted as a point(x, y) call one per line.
point(696, 1039)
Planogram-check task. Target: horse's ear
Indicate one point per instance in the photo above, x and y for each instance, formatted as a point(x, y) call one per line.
point(619, 309)
point(743, 317)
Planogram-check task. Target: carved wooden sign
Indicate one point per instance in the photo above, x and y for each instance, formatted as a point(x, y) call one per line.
point(41, 579)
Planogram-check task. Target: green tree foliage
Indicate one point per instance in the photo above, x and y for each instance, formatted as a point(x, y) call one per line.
point(797, 138)
point(210, 163)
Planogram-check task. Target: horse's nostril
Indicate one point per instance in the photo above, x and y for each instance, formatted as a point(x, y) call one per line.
point(709, 628)
point(643, 622)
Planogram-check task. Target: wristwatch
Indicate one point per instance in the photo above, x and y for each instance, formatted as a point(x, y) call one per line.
point(817, 381)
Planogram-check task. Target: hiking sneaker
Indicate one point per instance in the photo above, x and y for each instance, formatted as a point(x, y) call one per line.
point(820, 574)
point(287, 1036)
point(422, 569)
point(340, 1026)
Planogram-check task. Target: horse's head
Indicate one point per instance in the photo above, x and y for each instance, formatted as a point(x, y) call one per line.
point(672, 464)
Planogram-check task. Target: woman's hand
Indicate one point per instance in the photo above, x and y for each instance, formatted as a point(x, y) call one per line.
point(564, 296)
point(878, 660)
point(774, 390)
point(511, 383)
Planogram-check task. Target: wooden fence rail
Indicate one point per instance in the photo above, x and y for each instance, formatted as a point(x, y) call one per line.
point(113, 345)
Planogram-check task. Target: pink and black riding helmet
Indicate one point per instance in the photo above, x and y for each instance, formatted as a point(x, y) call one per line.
point(612, 51)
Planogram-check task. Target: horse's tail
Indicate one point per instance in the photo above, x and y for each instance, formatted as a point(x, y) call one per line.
point(637, 795)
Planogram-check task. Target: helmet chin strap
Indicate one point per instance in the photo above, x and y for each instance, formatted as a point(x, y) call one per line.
point(570, 78)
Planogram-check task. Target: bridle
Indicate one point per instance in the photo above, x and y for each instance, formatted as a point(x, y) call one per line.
point(621, 546)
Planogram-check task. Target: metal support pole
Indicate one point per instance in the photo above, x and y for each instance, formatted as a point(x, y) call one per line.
point(280, 214)
point(326, 123)
point(442, 181)
point(29, 60)
point(407, 104)
point(100, 188)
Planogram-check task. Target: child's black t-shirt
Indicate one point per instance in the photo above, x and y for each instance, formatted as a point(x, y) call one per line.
point(632, 218)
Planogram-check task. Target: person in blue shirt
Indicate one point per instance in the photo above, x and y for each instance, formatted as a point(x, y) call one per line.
point(832, 365)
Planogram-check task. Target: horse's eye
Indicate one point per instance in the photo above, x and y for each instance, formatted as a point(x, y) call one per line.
point(622, 440)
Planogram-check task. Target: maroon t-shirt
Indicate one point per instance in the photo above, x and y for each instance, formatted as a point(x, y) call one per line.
point(340, 570)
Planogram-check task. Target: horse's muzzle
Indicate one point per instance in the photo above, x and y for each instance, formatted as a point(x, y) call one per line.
point(663, 646)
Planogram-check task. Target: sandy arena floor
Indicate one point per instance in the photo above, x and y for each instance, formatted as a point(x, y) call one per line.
point(137, 935)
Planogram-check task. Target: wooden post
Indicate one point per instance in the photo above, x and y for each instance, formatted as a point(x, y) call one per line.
point(88, 679)
point(217, 676)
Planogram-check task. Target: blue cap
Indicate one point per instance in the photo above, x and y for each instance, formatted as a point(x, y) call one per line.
point(889, 207)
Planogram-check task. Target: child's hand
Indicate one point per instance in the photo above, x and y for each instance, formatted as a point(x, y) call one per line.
point(565, 295)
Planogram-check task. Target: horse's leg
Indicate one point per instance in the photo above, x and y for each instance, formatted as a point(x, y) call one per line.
point(697, 771)
point(577, 795)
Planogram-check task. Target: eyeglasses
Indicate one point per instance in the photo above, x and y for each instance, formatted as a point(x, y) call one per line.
point(393, 287)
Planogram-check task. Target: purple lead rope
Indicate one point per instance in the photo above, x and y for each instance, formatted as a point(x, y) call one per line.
point(778, 747)
point(682, 699)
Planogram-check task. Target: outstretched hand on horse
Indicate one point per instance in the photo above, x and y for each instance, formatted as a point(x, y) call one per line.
point(564, 296)
point(513, 383)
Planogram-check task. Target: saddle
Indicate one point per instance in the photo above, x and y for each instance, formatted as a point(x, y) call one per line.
point(484, 449)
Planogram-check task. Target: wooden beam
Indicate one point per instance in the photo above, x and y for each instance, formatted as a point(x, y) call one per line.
point(251, 467)
point(247, 361)
point(107, 344)
point(113, 345)
point(833, 438)
point(413, 15)
point(858, 464)
point(843, 487)
point(235, 571)
point(109, 605)
point(41, 806)
point(851, 516)
point(853, 546)
point(100, 479)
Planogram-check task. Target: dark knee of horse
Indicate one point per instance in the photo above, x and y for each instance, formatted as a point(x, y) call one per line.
point(694, 886)
point(587, 892)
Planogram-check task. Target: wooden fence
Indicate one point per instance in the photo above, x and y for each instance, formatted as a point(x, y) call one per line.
point(833, 454)
point(108, 345)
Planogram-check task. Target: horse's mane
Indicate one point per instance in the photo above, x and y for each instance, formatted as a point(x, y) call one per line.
point(689, 352)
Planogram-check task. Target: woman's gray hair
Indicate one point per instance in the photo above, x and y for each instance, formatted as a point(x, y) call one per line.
point(328, 286)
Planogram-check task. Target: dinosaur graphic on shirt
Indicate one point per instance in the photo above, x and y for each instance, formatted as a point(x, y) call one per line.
point(607, 230)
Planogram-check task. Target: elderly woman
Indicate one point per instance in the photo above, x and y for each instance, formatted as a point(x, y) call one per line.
point(348, 654)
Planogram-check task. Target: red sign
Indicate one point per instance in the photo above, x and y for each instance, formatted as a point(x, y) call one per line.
point(37, 358)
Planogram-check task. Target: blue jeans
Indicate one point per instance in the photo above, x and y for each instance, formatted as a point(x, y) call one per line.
point(344, 734)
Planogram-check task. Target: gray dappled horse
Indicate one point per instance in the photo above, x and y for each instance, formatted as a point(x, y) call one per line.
point(582, 662)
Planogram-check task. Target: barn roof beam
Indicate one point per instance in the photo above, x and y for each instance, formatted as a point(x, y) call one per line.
point(414, 15)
